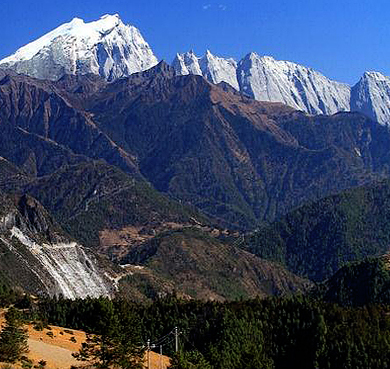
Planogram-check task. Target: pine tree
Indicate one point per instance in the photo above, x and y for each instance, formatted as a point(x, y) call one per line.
point(13, 337)
point(115, 344)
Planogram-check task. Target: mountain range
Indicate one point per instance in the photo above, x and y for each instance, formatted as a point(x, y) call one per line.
point(98, 157)
point(163, 170)
point(111, 49)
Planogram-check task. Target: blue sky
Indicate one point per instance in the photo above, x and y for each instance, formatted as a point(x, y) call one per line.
point(340, 38)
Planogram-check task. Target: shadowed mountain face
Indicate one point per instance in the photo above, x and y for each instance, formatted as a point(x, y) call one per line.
point(317, 239)
point(234, 158)
point(36, 108)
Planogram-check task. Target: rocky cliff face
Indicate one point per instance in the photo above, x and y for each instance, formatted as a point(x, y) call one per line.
point(39, 256)
point(371, 96)
point(267, 79)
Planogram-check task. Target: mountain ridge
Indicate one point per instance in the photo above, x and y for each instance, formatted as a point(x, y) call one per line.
point(109, 48)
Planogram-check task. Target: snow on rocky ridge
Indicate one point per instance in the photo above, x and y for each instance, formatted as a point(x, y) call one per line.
point(106, 47)
point(110, 48)
point(213, 68)
point(266, 79)
point(371, 96)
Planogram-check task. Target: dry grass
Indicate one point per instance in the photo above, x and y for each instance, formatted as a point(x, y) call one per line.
point(56, 345)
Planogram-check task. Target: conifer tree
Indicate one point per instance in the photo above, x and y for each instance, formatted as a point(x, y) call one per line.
point(115, 344)
point(13, 337)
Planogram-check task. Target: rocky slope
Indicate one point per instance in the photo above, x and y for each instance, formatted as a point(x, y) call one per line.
point(39, 257)
point(106, 47)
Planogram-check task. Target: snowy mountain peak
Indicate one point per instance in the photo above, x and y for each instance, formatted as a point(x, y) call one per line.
point(212, 67)
point(208, 54)
point(371, 96)
point(267, 79)
point(186, 63)
point(375, 76)
point(106, 47)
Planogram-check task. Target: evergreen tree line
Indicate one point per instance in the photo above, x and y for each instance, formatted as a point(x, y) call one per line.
point(299, 332)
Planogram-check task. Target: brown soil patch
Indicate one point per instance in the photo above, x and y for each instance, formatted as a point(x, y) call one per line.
point(68, 339)
point(56, 357)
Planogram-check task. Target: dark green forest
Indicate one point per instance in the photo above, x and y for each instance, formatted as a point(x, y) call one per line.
point(297, 332)
point(317, 239)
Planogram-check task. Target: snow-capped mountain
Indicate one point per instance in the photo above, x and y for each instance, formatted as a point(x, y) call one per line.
point(111, 49)
point(186, 63)
point(106, 47)
point(371, 96)
point(213, 68)
point(267, 79)
point(217, 69)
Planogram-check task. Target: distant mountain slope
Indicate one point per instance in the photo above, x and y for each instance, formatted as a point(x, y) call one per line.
point(94, 199)
point(197, 265)
point(90, 198)
point(106, 47)
point(317, 239)
point(234, 157)
point(35, 108)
